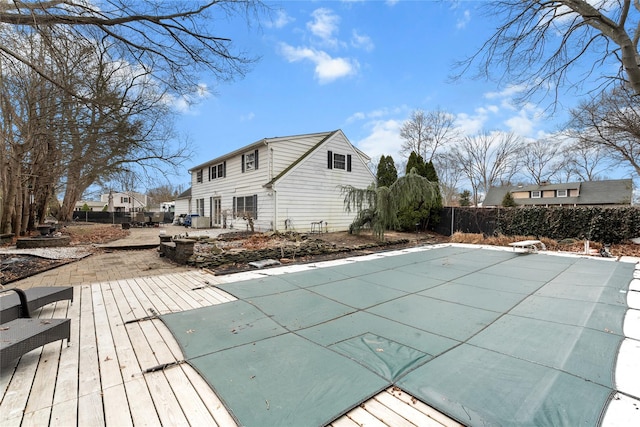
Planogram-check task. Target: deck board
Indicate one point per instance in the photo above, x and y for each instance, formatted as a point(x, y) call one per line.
point(98, 378)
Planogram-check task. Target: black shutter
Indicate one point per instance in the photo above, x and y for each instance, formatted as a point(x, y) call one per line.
point(234, 206)
point(255, 159)
point(224, 169)
point(209, 168)
point(255, 202)
point(242, 160)
point(348, 162)
point(330, 160)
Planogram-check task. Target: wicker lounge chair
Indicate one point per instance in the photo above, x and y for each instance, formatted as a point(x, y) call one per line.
point(21, 335)
point(10, 307)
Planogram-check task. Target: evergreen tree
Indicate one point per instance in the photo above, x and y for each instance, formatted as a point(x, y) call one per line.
point(419, 215)
point(416, 162)
point(436, 208)
point(508, 201)
point(465, 198)
point(387, 172)
point(378, 207)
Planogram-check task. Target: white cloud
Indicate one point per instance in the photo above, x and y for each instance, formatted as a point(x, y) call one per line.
point(463, 20)
point(520, 124)
point(384, 138)
point(470, 124)
point(324, 25)
point(247, 117)
point(361, 41)
point(508, 92)
point(356, 116)
point(281, 20)
point(327, 68)
point(184, 104)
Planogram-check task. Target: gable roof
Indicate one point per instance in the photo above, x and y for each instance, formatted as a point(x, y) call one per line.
point(185, 194)
point(609, 192)
point(254, 145)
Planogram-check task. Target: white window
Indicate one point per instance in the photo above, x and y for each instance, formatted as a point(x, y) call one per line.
point(561, 193)
point(250, 161)
point(245, 206)
point(199, 176)
point(200, 206)
point(339, 161)
point(536, 194)
point(218, 171)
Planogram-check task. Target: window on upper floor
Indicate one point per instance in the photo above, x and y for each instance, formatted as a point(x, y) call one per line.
point(199, 176)
point(250, 161)
point(338, 161)
point(561, 193)
point(218, 171)
point(536, 194)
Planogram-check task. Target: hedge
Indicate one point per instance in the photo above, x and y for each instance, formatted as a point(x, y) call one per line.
point(600, 224)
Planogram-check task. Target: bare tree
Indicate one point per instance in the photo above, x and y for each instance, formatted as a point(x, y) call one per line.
point(449, 174)
point(584, 161)
point(128, 129)
point(172, 40)
point(542, 160)
point(426, 132)
point(542, 41)
point(611, 122)
point(55, 142)
point(488, 159)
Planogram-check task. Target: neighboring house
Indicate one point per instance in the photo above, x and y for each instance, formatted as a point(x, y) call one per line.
point(92, 206)
point(120, 202)
point(183, 203)
point(125, 202)
point(283, 183)
point(168, 207)
point(616, 192)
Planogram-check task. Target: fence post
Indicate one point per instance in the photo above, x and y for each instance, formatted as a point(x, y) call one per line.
point(453, 210)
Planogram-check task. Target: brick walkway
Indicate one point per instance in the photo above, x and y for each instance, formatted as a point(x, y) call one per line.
point(111, 263)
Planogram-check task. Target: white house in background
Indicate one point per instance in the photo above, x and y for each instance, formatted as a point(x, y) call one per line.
point(125, 202)
point(283, 183)
point(91, 205)
point(183, 203)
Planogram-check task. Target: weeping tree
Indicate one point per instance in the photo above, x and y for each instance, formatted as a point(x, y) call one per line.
point(421, 213)
point(377, 207)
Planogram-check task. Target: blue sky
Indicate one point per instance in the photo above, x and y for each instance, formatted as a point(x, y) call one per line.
point(359, 66)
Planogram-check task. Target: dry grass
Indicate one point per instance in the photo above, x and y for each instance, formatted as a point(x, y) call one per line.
point(568, 245)
point(84, 234)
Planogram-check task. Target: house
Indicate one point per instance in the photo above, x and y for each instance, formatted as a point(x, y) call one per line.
point(282, 183)
point(89, 205)
point(125, 202)
point(183, 203)
point(617, 192)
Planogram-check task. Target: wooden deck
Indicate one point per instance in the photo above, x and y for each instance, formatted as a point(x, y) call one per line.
point(99, 379)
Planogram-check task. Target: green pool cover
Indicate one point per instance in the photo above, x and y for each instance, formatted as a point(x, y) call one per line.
point(488, 337)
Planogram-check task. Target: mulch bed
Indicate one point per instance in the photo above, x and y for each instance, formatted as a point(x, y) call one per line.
point(18, 266)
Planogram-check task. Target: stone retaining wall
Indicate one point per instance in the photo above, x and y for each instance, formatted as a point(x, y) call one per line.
point(306, 248)
point(177, 250)
point(181, 251)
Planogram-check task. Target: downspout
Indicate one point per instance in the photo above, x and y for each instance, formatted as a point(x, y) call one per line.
point(275, 208)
